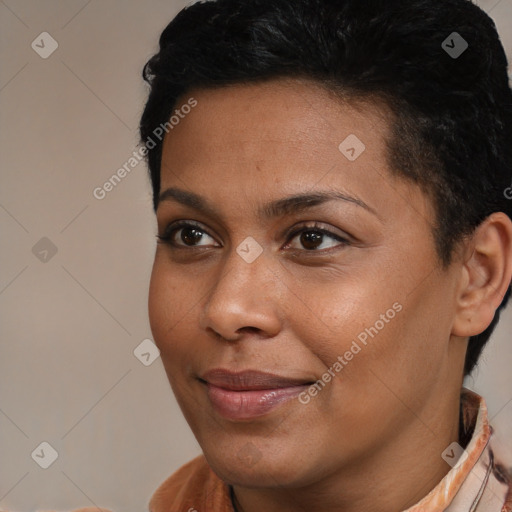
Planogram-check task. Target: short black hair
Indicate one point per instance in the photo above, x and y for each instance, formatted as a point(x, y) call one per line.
point(451, 130)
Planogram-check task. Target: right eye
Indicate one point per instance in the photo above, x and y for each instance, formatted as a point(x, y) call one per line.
point(191, 233)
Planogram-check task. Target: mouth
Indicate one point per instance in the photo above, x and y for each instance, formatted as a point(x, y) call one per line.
point(249, 394)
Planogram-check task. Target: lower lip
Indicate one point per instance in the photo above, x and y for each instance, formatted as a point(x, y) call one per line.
point(246, 405)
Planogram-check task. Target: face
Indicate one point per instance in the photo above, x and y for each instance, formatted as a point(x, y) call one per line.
point(298, 335)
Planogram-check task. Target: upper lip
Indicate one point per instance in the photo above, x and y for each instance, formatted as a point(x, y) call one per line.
point(249, 380)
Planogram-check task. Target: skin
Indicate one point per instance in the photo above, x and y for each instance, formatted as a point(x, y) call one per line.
point(375, 433)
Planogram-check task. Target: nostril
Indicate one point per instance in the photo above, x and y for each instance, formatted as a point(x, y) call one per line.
point(250, 329)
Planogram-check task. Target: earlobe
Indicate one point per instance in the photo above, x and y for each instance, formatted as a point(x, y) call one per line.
point(485, 276)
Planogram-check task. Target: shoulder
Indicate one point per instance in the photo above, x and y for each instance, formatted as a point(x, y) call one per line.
point(192, 487)
point(502, 474)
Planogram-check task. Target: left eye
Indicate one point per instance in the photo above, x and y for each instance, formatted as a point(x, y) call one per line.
point(312, 238)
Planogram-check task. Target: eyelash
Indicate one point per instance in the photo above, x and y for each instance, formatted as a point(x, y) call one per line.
point(315, 227)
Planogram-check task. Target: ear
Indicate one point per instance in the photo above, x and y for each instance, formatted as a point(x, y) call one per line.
point(485, 275)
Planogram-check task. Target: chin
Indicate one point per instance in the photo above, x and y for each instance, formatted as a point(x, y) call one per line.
point(252, 464)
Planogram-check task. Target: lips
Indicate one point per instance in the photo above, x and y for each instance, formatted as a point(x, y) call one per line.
point(249, 394)
point(250, 380)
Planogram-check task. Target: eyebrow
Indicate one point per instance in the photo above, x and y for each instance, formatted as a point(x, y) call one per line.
point(280, 207)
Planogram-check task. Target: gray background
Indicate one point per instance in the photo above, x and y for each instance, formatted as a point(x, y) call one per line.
point(70, 324)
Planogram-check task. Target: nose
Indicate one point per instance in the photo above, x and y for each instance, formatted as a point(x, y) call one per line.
point(244, 298)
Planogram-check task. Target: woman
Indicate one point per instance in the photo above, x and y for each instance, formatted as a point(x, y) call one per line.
point(335, 245)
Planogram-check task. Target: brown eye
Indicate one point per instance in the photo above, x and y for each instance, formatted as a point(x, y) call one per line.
point(190, 235)
point(312, 237)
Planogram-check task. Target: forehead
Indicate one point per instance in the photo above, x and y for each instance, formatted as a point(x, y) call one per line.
point(280, 136)
point(296, 114)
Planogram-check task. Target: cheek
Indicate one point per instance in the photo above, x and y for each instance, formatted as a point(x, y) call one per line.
point(168, 304)
point(399, 360)
point(383, 333)
point(158, 302)
point(344, 312)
